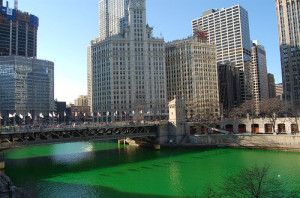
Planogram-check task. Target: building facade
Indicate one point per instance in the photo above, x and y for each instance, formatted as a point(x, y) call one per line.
point(191, 69)
point(229, 87)
point(61, 111)
point(288, 30)
point(279, 91)
point(18, 32)
point(259, 74)
point(127, 71)
point(113, 17)
point(26, 86)
point(271, 84)
point(228, 29)
point(81, 101)
point(77, 113)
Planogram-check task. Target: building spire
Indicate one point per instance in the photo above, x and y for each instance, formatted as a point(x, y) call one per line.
point(16, 4)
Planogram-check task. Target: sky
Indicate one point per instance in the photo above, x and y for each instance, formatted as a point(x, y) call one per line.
point(67, 27)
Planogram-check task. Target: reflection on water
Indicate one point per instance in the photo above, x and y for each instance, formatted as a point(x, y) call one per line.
point(111, 170)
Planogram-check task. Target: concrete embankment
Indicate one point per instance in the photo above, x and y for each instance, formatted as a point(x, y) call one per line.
point(7, 189)
point(276, 142)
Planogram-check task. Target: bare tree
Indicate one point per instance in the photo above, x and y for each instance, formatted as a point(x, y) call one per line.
point(252, 182)
point(272, 108)
point(255, 182)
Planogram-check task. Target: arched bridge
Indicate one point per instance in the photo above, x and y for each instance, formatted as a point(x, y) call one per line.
point(15, 137)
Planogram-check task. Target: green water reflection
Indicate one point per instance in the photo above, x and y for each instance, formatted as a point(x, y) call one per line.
point(109, 170)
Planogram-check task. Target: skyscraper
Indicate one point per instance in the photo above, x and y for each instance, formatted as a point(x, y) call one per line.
point(18, 32)
point(288, 30)
point(259, 74)
point(192, 75)
point(229, 30)
point(26, 83)
point(113, 17)
point(127, 70)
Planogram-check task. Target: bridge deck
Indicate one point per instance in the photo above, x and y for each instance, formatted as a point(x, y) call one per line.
point(23, 136)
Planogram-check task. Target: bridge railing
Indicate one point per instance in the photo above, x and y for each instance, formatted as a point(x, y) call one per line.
point(16, 129)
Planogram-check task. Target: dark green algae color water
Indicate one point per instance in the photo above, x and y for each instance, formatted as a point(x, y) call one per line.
point(108, 170)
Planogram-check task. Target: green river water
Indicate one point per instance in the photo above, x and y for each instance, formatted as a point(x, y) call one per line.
point(110, 170)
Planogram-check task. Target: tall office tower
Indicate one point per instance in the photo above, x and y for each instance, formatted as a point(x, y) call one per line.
point(259, 74)
point(192, 75)
point(26, 86)
point(113, 17)
point(229, 30)
point(18, 32)
point(288, 30)
point(128, 71)
point(229, 87)
point(271, 84)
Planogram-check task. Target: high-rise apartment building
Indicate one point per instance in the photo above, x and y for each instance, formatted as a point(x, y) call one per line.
point(259, 74)
point(288, 30)
point(113, 17)
point(228, 29)
point(127, 70)
point(18, 32)
point(192, 76)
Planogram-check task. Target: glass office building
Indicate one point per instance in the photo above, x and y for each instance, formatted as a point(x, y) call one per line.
point(26, 86)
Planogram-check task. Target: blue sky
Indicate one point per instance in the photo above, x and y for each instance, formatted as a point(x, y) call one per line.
point(67, 27)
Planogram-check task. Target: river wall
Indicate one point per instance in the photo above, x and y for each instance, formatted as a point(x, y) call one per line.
point(7, 189)
point(280, 142)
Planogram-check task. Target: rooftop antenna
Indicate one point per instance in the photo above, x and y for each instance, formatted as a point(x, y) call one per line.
point(16, 4)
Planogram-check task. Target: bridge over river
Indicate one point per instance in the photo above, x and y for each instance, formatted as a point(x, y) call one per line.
point(14, 137)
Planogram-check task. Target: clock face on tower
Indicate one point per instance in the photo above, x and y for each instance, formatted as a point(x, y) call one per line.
point(137, 4)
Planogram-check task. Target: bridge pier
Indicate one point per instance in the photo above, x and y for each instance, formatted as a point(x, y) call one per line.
point(122, 141)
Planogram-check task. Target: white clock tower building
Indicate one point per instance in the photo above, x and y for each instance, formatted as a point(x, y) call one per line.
point(126, 71)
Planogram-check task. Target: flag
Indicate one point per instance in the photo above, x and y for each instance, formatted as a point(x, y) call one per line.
point(65, 113)
point(125, 112)
point(41, 115)
point(84, 114)
point(107, 113)
point(133, 112)
point(141, 111)
point(10, 115)
point(148, 112)
point(14, 115)
point(99, 114)
point(21, 116)
point(1, 118)
point(75, 114)
point(116, 112)
point(58, 115)
point(30, 116)
point(92, 114)
point(50, 115)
